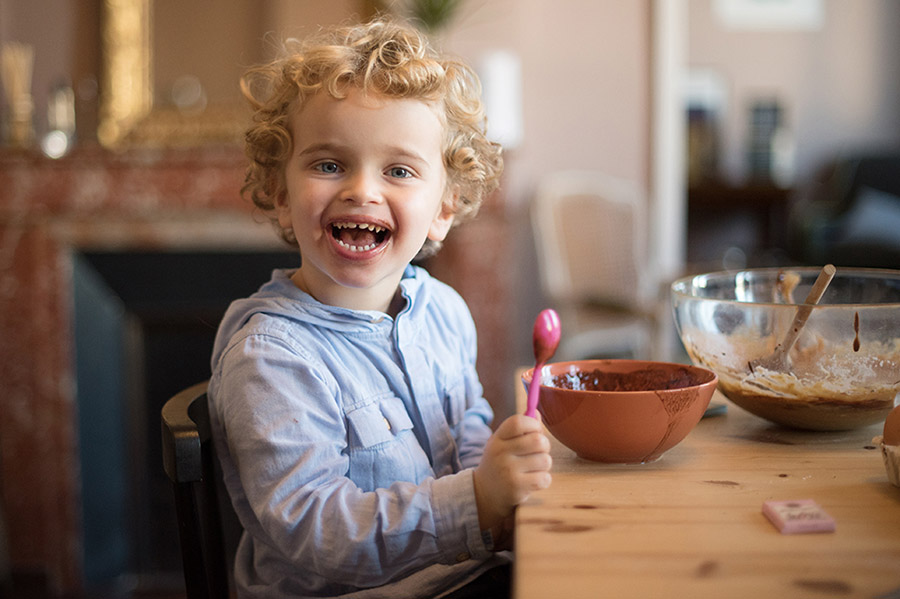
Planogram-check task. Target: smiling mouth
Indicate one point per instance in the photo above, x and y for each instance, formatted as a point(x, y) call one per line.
point(359, 237)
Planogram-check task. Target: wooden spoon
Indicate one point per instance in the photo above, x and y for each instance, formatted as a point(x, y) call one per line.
point(776, 360)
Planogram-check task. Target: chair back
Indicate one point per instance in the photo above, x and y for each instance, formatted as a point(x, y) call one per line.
point(590, 238)
point(590, 234)
point(207, 525)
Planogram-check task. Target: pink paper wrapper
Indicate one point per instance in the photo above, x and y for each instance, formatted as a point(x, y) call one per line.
point(798, 516)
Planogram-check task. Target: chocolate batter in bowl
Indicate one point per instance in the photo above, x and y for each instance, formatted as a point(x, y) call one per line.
point(622, 411)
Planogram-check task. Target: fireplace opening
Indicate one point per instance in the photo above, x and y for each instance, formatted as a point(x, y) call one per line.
point(144, 328)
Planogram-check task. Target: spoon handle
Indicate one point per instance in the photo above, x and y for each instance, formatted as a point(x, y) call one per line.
point(533, 389)
point(805, 309)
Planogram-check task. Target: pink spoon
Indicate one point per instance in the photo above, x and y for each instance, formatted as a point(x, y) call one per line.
point(545, 339)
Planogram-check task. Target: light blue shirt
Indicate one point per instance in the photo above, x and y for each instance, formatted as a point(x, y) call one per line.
point(347, 440)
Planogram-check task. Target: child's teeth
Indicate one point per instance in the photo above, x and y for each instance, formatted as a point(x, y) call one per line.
point(356, 248)
point(376, 229)
point(368, 227)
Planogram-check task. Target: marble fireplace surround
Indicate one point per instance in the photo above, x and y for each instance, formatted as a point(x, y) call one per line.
point(183, 200)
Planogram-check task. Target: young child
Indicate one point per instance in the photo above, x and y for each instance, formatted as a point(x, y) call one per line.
point(353, 435)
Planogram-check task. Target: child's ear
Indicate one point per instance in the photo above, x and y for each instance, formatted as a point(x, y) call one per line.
point(283, 210)
point(441, 224)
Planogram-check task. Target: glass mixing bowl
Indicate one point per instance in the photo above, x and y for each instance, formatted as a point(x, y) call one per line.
point(842, 373)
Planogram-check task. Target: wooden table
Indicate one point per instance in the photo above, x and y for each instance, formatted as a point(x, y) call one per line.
point(690, 525)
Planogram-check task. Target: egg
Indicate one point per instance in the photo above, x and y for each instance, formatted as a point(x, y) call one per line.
point(892, 427)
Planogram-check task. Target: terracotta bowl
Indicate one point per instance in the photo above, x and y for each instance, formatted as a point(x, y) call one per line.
point(623, 426)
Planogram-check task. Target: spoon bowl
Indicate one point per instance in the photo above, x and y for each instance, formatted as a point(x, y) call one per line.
point(545, 340)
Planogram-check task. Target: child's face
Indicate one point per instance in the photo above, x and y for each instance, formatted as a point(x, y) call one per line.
point(365, 187)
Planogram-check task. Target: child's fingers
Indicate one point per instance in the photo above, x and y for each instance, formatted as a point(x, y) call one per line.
point(539, 480)
point(515, 465)
point(526, 484)
point(524, 466)
point(536, 462)
point(528, 443)
point(517, 425)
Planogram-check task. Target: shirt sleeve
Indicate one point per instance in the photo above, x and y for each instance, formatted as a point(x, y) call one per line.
point(287, 438)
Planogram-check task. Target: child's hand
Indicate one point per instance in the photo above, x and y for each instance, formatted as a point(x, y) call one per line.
point(515, 463)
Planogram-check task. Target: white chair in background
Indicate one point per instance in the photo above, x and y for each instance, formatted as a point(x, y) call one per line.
point(590, 235)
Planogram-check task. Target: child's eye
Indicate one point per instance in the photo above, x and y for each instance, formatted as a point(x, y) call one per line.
point(328, 167)
point(399, 172)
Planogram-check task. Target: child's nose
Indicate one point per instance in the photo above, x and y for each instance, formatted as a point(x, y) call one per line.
point(362, 188)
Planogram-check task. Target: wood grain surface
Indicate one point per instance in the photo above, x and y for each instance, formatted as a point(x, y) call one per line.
point(691, 523)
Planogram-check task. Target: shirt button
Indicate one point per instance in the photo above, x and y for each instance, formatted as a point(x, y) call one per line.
point(461, 557)
point(387, 423)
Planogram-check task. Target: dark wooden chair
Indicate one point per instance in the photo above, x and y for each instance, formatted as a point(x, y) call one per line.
point(207, 526)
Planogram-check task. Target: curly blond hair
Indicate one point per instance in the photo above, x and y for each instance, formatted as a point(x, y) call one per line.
point(383, 57)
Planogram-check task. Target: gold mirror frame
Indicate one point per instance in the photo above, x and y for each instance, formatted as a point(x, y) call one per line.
point(128, 117)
